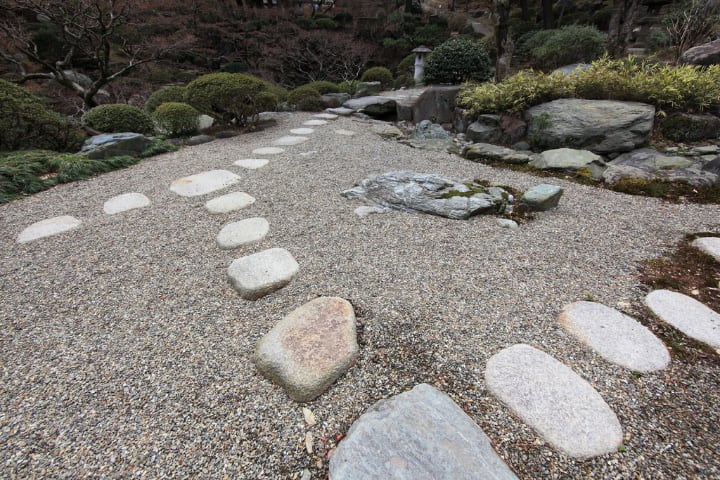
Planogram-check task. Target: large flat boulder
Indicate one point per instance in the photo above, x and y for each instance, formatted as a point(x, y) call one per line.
point(494, 153)
point(570, 159)
point(648, 164)
point(107, 145)
point(374, 106)
point(705, 54)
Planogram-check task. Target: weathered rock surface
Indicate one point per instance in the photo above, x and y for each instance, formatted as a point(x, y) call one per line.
point(650, 164)
point(341, 111)
point(493, 153)
point(107, 145)
point(310, 348)
point(687, 315)
point(428, 193)
point(204, 183)
point(547, 395)
point(199, 140)
point(125, 202)
point(419, 434)
point(374, 106)
point(619, 339)
point(485, 129)
point(243, 232)
point(709, 245)
point(570, 159)
point(601, 126)
point(705, 54)
point(229, 203)
point(541, 198)
point(436, 102)
point(48, 227)
point(386, 130)
point(260, 274)
point(427, 130)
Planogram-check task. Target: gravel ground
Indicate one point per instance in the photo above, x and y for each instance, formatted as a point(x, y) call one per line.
point(126, 353)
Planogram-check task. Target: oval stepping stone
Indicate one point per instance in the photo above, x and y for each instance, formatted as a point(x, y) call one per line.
point(326, 116)
point(245, 231)
point(310, 348)
point(125, 202)
point(315, 123)
point(229, 202)
point(204, 183)
point(251, 163)
point(290, 140)
point(709, 245)
point(262, 273)
point(48, 227)
point(268, 151)
point(302, 131)
point(616, 337)
point(562, 407)
point(687, 315)
point(419, 434)
point(347, 133)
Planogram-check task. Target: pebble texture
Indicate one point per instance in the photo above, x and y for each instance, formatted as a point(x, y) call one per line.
point(562, 407)
point(616, 337)
point(229, 202)
point(262, 273)
point(419, 434)
point(709, 245)
point(48, 227)
point(125, 202)
point(243, 232)
point(204, 183)
point(687, 315)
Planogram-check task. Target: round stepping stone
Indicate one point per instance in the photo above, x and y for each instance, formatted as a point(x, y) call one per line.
point(687, 315)
point(315, 123)
point(562, 407)
point(418, 434)
point(48, 227)
point(262, 273)
point(245, 231)
point(268, 151)
point(251, 163)
point(619, 339)
point(290, 140)
point(125, 202)
point(310, 348)
point(347, 133)
point(302, 131)
point(709, 245)
point(230, 202)
point(204, 183)
point(326, 116)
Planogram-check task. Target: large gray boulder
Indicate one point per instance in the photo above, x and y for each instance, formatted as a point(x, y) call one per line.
point(486, 129)
point(373, 106)
point(367, 89)
point(570, 159)
point(428, 130)
point(541, 198)
point(601, 126)
point(107, 145)
point(428, 193)
point(436, 103)
point(648, 164)
point(493, 153)
point(705, 54)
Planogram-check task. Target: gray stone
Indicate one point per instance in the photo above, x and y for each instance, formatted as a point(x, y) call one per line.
point(268, 150)
point(572, 68)
point(326, 116)
point(205, 121)
point(617, 338)
point(199, 140)
point(436, 103)
point(386, 130)
point(341, 111)
point(709, 245)
point(547, 395)
point(427, 130)
point(48, 227)
point(334, 100)
point(366, 210)
point(204, 183)
point(302, 131)
point(713, 166)
point(705, 54)
point(705, 150)
point(648, 164)
point(107, 145)
point(125, 202)
point(570, 159)
point(309, 349)
point(433, 145)
point(260, 274)
point(419, 434)
point(243, 232)
point(541, 198)
point(687, 315)
point(251, 163)
point(347, 133)
point(367, 89)
point(483, 133)
point(315, 123)
point(507, 223)
point(290, 140)
point(229, 203)
point(375, 106)
point(601, 126)
point(493, 153)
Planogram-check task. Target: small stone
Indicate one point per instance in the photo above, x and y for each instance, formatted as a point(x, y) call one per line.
point(366, 210)
point(290, 140)
point(315, 123)
point(125, 202)
point(309, 416)
point(302, 131)
point(230, 202)
point(709, 245)
point(507, 223)
point(347, 133)
point(46, 228)
point(199, 140)
point(687, 315)
point(306, 475)
point(260, 274)
point(326, 116)
point(541, 198)
point(386, 130)
point(204, 183)
point(268, 151)
point(251, 163)
point(309, 443)
point(243, 232)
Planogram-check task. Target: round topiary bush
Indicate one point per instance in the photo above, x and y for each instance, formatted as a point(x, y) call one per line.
point(228, 97)
point(323, 86)
point(406, 66)
point(378, 74)
point(119, 117)
point(458, 60)
point(348, 86)
point(171, 93)
point(305, 98)
point(177, 118)
point(563, 46)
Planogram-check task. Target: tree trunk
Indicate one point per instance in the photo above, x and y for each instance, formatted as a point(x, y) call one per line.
point(524, 10)
point(503, 42)
point(622, 22)
point(547, 14)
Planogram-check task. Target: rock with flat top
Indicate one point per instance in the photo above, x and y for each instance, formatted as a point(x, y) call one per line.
point(125, 202)
point(243, 232)
point(262, 273)
point(48, 227)
point(686, 314)
point(204, 183)
point(709, 245)
point(541, 198)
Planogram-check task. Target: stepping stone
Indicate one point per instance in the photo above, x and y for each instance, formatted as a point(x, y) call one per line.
point(419, 434)
point(310, 348)
point(46, 228)
point(262, 273)
point(290, 140)
point(245, 231)
point(204, 183)
point(347, 133)
point(125, 202)
point(302, 131)
point(326, 116)
point(345, 112)
point(230, 202)
point(709, 245)
point(687, 315)
point(617, 338)
point(315, 123)
point(562, 407)
point(251, 163)
point(268, 151)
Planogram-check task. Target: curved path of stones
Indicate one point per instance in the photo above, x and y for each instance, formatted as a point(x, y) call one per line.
point(422, 433)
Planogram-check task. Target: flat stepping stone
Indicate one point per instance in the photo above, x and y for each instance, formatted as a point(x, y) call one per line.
point(709, 245)
point(251, 163)
point(326, 116)
point(310, 348)
point(204, 183)
point(343, 111)
point(315, 123)
point(419, 434)
point(268, 151)
point(562, 407)
point(48, 227)
point(687, 315)
point(616, 337)
point(302, 131)
point(243, 232)
point(229, 202)
point(125, 202)
point(262, 273)
point(290, 140)
point(347, 133)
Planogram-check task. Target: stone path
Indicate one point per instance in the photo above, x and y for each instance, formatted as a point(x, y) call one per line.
point(251, 163)
point(687, 315)
point(243, 232)
point(48, 227)
point(709, 245)
point(257, 275)
point(268, 151)
point(125, 202)
point(204, 183)
point(229, 202)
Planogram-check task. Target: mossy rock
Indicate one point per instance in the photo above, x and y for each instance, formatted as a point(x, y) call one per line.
point(686, 127)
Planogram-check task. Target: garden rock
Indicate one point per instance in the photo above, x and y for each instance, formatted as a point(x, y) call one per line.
point(374, 106)
point(709, 245)
point(541, 198)
point(48, 227)
point(229, 202)
point(302, 131)
point(437, 103)
point(310, 348)
point(367, 89)
point(493, 153)
point(690, 127)
point(687, 315)
point(334, 100)
point(485, 130)
point(705, 54)
point(125, 202)
point(601, 126)
point(199, 140)
point(648, 164)
point(428, 193)
point(713, 166)
point(433, 145)
point(107, 145)
point(260, 274)
point(386, 130)
point(204, 183)
point(426, 130)
point(570, 159)
point(251, 163)
point(418, 434)
point(270, 150)
point(290, 140)
point(205, 121)
point(341, 111)
point(243, 232)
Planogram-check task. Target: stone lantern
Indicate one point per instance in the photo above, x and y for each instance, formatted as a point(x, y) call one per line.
point(420, 54)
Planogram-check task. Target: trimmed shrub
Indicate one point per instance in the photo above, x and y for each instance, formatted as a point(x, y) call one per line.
point(406, 66)
point(228, 97)
point(323, 87)
point(378, 74)
point(119, 117)
point(177, 118)
point(458, 60)
point(571, 44)
point(404, 81)
point(305, 98)
point(170, 93)
point(348, 86)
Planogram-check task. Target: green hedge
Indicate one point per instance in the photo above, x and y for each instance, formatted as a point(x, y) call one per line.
point(458, 60)
point(305, 98)
point(119, 117)
point(563, 46)
point(170, 93)
point(323, 86)
point(176, 118)
point(378, 74)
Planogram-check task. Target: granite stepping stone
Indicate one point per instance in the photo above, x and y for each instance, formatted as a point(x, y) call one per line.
point(562, 407)
point(262, 273)
point(251, 163)
point(48, 227)
point(310, 348)
point(204, 183)
point(125, 202)
point(290, 140)
point(243, 232)
point(709, 245)
point(347, 133)
point(616, 337)
point(315, 123)
point(687, 315)
point(229, 202)
point(302, 131)
point(326, 116)
point(419, 434)
point(268, 151)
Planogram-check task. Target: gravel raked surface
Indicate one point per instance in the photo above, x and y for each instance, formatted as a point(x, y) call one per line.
point(126, 353)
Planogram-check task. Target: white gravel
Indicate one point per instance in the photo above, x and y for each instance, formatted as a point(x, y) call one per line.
point(125, 351)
